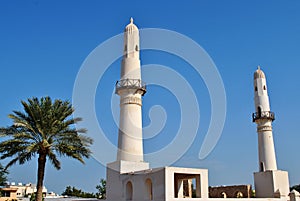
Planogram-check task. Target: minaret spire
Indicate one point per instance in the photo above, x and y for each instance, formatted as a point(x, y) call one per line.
point(131, 40)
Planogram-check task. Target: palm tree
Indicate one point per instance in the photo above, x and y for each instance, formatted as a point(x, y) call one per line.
point(3, 178)
point(46, 129)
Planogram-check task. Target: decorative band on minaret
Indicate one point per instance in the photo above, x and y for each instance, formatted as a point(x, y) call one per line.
point(130, 88)
point(263, 117)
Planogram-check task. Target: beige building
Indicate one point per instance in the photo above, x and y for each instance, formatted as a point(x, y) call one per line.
point(8, 194)
point(25, 190)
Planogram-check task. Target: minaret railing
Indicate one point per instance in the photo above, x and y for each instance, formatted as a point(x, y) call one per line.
point(263, 115)
point(131, 84)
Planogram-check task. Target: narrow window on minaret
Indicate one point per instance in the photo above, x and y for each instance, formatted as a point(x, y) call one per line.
point(262, 168)
point(255, 88)
point(264, 87)
point(136, 48)
point(259, 111)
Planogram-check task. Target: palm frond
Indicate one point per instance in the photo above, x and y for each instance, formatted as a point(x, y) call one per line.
point(53, 159)
point(44, 127)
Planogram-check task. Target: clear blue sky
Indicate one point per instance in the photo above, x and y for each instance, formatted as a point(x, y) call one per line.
point(44, 43)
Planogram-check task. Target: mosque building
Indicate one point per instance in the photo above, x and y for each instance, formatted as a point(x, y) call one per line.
point(130, 177)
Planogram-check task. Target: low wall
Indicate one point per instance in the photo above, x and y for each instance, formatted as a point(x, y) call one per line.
point(237, 191)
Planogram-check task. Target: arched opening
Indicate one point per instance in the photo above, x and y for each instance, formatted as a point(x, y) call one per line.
point(149, 189)
point(223, 195)
point(264, 87)
point(255, 88)
point(239, 194)
point(136, 48)
point(129, 191)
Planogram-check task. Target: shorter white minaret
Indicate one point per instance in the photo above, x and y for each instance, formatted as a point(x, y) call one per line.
point(263, 117)
point(269, 182)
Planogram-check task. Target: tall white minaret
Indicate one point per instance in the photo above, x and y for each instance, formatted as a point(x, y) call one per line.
point(130, 88)
point(263, 117)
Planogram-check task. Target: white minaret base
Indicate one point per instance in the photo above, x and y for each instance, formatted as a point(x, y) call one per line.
point(271, 184)
point(158, 184)
point(127, 166)
point(114, 183)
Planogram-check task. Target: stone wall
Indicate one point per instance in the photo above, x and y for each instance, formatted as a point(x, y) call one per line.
point(238, 191)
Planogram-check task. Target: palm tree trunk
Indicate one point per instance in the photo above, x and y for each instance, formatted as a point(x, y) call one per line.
point(40, 176)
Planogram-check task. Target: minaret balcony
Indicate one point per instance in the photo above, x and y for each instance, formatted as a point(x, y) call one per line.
point(136, 84)
point(263, 115)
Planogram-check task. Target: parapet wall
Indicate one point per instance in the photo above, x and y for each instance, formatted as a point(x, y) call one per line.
point(237, 191)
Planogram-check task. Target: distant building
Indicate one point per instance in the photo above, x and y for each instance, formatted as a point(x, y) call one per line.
point(25, 190)
point(8, 193)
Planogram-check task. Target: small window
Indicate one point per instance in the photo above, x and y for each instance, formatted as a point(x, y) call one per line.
point(255, 88)
point(264, 87)
point(136, 48)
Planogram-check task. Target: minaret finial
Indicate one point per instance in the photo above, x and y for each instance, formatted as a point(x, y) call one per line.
point(131, 20)
point(258, 67)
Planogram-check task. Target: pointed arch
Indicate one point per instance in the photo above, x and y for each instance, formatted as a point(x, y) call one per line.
point(149, 189)
point(238, 194)
point(129, 190)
